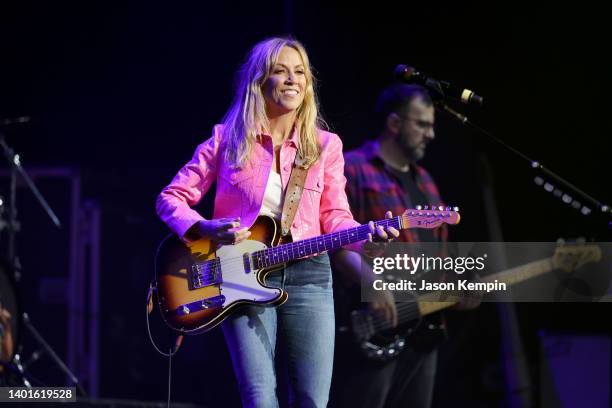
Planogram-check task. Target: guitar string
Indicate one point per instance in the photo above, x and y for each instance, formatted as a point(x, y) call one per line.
point(265, 263)
point(396, 221)
point(277, 255)
point(295, 245)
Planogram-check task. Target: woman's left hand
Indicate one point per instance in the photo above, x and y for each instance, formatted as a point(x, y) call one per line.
point(379, 237)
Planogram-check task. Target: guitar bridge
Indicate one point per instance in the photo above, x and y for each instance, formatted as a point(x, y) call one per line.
point(206, 274)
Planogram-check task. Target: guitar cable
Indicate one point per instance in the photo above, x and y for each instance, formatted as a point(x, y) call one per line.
point(173, 349)
point(169, 376)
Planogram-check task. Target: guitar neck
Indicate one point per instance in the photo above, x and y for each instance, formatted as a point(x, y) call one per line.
point(410, 219)
point(522, 273)
point(288, 252)
point(428, 304)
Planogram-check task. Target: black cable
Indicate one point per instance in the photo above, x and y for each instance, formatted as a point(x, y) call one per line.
point(170, 374)
point(173, 349)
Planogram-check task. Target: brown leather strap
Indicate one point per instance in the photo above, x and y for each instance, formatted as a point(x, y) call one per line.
point(295, 187)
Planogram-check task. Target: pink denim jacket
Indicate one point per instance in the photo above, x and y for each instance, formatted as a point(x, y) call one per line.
point(323, 207)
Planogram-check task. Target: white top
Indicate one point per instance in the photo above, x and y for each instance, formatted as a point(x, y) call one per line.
point(273, 197)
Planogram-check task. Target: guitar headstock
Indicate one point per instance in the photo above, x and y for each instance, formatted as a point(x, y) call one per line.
point(425, 217)
point(569, 257)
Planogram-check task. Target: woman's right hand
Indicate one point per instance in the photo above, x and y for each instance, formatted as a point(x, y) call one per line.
point(225, 231)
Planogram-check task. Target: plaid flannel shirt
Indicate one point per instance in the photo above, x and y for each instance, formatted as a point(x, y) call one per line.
point(372, 190)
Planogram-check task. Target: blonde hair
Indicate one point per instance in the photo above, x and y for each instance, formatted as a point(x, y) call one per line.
point(247, 116)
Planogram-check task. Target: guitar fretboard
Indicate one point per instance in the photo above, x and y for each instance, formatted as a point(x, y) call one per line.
point(295, 250)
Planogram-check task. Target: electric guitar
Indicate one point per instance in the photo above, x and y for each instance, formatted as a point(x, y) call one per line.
point(378, 340)
point(199, 284)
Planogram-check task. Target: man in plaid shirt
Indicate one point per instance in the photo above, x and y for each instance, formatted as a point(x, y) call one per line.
point(383, 175)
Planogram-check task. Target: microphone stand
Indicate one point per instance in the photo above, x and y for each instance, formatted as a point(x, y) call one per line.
point(519, 392)
point(550, 181)
point(13, 227)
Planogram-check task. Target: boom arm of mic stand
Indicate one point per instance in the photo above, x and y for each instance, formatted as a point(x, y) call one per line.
point(15, 164)
point(603, 208)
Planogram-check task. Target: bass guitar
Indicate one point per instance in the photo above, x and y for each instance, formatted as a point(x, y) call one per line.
point(378, 340)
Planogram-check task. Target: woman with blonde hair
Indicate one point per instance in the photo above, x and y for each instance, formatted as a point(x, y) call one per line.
point(272, 123)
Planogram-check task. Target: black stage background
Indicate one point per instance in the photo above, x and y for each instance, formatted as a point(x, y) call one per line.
point(124, 91)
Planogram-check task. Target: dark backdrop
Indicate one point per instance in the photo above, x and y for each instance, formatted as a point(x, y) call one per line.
point(125, 91)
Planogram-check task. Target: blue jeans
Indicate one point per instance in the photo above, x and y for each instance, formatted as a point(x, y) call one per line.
point(303, 327)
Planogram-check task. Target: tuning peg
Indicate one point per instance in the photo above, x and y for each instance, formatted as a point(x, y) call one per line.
point(426, 207)
point(441, 208)
point(456, 209)
point(419, 207)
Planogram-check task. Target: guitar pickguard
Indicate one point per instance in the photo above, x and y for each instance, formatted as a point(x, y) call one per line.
point(240, 283)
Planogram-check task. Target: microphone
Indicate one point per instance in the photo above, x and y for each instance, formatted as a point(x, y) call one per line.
point(441, 89)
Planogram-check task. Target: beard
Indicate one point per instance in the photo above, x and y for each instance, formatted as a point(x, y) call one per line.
point(414, 152)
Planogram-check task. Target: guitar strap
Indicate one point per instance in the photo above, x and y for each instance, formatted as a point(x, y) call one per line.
point(293, 194)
